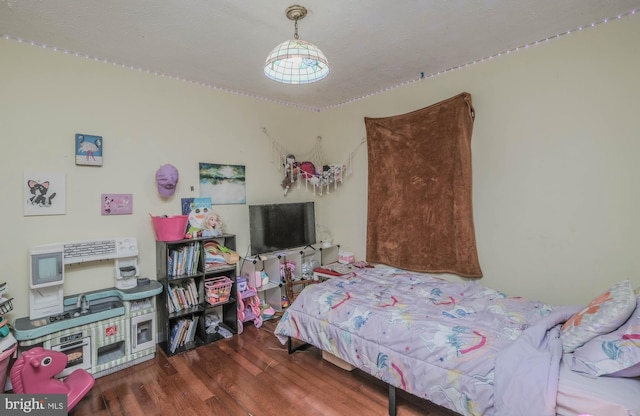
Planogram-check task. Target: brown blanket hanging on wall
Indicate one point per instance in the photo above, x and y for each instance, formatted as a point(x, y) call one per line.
point(420, 213)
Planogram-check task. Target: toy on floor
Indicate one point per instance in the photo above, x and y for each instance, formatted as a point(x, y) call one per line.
point(266, 310)
point(34, 373)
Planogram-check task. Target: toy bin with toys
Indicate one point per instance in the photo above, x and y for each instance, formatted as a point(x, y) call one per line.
point(218, 289)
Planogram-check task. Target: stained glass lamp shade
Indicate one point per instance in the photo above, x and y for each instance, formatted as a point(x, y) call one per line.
point(296, 62)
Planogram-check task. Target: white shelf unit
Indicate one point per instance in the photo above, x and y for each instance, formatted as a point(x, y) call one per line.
point(270, 263)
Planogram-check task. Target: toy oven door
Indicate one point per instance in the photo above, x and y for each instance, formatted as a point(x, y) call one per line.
point(78, 352)
point(143, 333)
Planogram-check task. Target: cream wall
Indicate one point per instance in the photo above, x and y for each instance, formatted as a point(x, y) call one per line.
point(554, 148)
point(145, 120)
point(555, 162)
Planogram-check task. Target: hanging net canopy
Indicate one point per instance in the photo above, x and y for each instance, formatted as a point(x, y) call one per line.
point(311, 168)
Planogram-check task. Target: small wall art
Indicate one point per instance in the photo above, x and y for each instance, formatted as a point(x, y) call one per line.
point(224, 184)
point(89, 150)
point(44, 193)
point(117, 204)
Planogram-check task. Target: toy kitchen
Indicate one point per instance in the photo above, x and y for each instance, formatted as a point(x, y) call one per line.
point(102, 331)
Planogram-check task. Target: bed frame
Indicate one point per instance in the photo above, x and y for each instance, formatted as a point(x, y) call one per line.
point(291, 348)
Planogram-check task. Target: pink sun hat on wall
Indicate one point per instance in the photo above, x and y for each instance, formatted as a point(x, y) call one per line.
point(167, 179)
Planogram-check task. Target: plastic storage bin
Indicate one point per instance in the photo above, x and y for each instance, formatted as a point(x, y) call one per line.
point(218, 289)
point(171, 228)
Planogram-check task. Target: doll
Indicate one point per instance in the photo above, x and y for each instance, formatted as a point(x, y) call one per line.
point(212, 225)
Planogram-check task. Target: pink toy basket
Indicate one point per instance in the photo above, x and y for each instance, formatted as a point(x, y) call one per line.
point(171, 228)
point(218, 289)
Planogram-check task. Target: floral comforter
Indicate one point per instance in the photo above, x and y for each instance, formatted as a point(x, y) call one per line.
point(432, 338)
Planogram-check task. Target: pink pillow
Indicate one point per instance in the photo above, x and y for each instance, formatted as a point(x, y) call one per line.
point(604, 314)
point(615, 354)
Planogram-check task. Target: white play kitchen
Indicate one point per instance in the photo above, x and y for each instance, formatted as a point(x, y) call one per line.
point(101, 331)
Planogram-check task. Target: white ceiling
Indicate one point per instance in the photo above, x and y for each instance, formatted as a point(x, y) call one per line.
point(371, 45)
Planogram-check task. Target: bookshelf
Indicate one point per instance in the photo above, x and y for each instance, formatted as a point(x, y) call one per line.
point(199, 303)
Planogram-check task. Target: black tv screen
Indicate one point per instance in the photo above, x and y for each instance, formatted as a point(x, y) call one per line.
point(274, 227)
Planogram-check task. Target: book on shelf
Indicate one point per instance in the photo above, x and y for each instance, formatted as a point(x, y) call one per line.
point(191, 334)
point(193, 291)
point(176, 335)
point(170, 266)
point(182, 295)
point(173, 339)
point(172, 302)
point(196, 259)
point(183, 260)
point(184, 303)
point(184, 328)
point(183, 331)
point(192, 255)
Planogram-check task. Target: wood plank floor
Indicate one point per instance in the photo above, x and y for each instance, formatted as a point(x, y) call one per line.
point(249, 374)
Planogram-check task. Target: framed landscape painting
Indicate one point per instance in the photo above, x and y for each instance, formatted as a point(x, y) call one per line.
point(224, 184)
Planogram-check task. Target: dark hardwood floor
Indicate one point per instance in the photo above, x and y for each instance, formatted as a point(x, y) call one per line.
point(249, 374)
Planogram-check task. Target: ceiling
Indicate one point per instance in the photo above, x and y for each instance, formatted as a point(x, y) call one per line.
point(371, 45)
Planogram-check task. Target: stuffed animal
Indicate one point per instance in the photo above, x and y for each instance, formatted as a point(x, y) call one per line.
point(290, 173)
point(293, 169)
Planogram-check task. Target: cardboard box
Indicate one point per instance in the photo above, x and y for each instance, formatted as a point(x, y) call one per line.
point(337, 361)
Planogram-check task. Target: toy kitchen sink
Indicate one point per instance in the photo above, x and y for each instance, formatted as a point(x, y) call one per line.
point(101, 331)
point(81, 309)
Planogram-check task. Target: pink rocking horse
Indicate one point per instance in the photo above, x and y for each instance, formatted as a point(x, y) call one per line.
point(34, 373)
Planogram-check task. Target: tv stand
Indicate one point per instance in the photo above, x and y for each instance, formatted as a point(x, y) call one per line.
point(274, 264)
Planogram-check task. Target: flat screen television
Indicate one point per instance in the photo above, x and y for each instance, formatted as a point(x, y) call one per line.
point(275, 227)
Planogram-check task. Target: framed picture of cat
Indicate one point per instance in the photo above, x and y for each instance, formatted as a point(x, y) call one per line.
point(44, 193)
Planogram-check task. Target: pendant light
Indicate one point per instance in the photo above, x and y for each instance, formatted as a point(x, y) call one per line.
point(296, 61)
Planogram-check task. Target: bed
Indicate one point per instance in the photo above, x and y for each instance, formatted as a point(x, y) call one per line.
point(472, 349)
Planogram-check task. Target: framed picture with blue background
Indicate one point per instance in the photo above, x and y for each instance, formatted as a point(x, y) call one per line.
point(89, 150)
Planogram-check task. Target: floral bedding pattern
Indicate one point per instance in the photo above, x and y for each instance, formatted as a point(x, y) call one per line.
point(435, 339)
